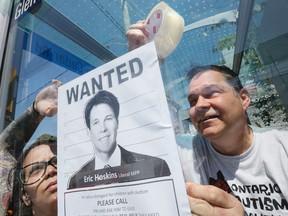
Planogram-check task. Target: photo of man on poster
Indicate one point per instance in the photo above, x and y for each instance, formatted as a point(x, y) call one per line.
point(101, 118)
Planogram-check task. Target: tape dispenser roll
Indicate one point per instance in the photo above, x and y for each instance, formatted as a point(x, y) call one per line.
point(165, 27)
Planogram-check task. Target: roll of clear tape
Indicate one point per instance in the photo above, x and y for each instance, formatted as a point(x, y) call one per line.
point(165, 27)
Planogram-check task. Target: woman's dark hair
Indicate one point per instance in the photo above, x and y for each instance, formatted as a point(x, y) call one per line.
point(16, 204)
point(45, 139)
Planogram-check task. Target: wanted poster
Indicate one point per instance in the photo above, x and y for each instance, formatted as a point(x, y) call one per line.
point(117, 152)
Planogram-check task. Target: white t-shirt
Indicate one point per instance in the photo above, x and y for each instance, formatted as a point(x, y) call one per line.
point(258, 177)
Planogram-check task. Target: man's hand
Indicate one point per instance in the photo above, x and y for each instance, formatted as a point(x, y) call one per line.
point(46, 100)
point(208, 200)
point(137, 35)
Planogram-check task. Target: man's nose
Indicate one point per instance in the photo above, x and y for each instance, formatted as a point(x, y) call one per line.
point(202, 104)
point(103, 127)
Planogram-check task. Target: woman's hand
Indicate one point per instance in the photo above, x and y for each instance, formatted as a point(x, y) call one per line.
point(46, 101)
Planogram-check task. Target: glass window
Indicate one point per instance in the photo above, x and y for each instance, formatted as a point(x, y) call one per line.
point(55, 43)
point(65, 39)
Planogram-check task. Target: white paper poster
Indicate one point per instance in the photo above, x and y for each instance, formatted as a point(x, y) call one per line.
point(117, 152)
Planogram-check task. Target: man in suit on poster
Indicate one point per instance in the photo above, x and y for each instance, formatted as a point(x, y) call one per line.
point(101, 117)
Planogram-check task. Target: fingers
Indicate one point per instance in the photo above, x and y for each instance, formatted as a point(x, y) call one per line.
point(46, 101)
point(137, 35)
point(140, 25)
point(209, 193)
point(47, 107)
point(50, 110)
point(200, 207)
point(56, 82)
point(208, 200)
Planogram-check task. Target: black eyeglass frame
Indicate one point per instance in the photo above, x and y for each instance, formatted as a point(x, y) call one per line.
point(20, 172)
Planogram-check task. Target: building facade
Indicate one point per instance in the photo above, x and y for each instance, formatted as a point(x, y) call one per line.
point(42, 40)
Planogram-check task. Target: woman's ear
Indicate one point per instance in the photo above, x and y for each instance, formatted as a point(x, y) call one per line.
point(26, 199)
point(245, 97)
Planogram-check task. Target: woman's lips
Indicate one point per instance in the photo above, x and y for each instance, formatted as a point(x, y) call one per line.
point(52, 186)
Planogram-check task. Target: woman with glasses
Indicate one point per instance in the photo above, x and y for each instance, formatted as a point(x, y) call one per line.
point(18, 133)
point(35, 179)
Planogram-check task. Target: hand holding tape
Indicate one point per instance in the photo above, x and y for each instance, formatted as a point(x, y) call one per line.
point(165, 27)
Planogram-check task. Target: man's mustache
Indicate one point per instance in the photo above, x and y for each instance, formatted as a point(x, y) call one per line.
point(204, 114)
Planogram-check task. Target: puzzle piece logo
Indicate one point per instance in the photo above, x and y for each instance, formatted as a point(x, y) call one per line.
point(220, 182)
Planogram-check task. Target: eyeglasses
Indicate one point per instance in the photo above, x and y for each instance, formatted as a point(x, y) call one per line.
point(32, 173)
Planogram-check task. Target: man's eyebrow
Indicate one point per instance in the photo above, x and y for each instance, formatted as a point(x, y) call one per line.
point(205, 88)
point(208, 87)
